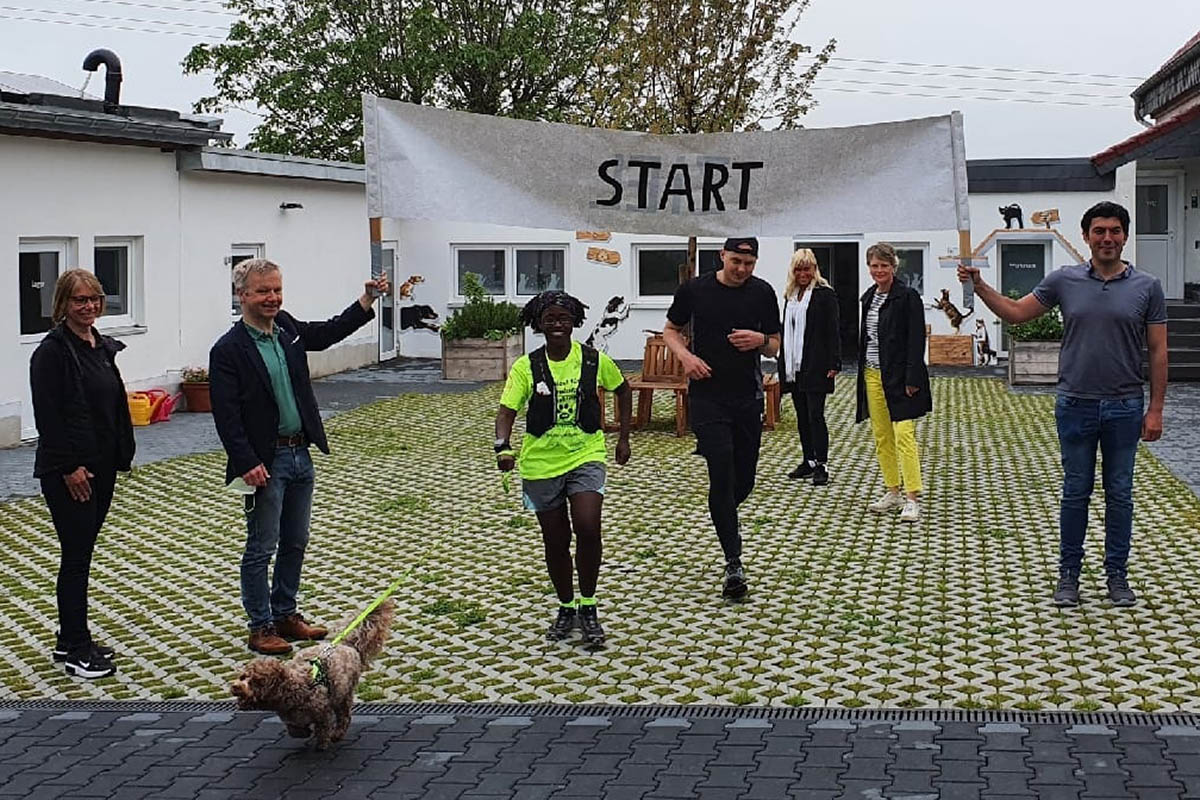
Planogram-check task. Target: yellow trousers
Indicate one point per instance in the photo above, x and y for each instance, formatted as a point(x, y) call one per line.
point(895, 442)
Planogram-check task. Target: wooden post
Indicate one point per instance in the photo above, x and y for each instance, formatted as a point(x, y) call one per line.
point(964, 257)
point(688, 270)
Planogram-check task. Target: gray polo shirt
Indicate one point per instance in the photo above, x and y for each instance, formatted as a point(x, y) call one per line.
point(1104, 328)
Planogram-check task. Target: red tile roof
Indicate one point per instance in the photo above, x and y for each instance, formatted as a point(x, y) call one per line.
point(1119, 153)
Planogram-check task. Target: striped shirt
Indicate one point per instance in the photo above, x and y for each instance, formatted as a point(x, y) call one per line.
point(873, 329)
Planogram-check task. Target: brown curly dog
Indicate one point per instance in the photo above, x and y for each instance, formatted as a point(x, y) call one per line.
point(320, 710)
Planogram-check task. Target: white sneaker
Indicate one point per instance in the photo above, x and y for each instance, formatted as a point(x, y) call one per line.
point(889, 502)
point(911, 512)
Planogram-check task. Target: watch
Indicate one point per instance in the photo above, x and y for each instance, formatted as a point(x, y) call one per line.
point(502, 444)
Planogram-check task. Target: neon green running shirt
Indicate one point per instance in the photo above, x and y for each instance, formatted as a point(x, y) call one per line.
point(565, 446)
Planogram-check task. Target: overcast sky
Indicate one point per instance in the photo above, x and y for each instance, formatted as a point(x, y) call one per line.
point(1051, 52)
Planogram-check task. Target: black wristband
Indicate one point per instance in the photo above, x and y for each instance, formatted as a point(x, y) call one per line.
point(500, 448)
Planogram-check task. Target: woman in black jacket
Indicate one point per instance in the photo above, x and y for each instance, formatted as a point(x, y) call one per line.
point(893, 382)
point(809, 359)
point(84, 438)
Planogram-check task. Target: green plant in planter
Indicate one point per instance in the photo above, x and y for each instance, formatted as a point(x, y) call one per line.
point(194, 375)
point(481, 317)
point(1046, 328)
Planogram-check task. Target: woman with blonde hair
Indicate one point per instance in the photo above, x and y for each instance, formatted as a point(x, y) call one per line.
point(809, 359)
point(84, 438)
point(893, 381)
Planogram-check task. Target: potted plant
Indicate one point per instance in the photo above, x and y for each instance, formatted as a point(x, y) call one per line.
point(1033, 349)
point(481, 340)
point(194, 383)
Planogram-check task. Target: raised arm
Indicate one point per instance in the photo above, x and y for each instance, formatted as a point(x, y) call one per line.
point(1011, 311)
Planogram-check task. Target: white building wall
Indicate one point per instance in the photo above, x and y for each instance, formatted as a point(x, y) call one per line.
point(323, 250)
point(78, 191)
point(427, 249)
point(182, 225)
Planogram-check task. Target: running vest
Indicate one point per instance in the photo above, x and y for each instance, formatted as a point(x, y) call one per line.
point(542, 407)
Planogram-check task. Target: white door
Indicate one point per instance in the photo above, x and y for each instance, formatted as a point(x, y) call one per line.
point(1158, 234)
point(388, 323)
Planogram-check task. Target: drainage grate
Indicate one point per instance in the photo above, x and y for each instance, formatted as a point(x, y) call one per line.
point(867, 716)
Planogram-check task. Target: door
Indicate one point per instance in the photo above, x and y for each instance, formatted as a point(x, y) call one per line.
point(1157, 232)
point(838, 262)
point(1022, 267)
point(387, 306)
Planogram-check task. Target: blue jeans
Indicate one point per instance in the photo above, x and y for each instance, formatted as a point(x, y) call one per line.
point(277, 518)
point(1116, 426)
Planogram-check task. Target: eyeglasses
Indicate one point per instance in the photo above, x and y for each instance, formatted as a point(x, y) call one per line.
point(85, 299)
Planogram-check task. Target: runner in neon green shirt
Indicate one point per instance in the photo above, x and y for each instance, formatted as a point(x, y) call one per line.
point(563, 452)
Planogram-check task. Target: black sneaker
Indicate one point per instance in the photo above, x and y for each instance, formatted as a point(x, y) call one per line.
point(803, 471)
point(62, 650)
point(566, 622)
point(1067, 592)
point(1119, 592)
point(589, 626)
point(735, 586)
point(820, 475)
point(88, 664)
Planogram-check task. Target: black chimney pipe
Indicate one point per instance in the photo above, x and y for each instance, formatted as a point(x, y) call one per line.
point(112, 75)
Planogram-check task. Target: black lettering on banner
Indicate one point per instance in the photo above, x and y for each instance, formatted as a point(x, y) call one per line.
point(686, 191)
point(618, 189)
point(644, 168)
point(744, 193)
point(711, 190)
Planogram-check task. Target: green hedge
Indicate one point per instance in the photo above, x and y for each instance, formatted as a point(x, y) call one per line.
point(481, 317)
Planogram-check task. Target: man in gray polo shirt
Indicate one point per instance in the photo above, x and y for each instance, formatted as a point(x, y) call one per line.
point(1110, 312)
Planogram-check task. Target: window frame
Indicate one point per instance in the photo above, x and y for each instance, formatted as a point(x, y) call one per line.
point(636, 251)
point(509, 250)
point(132, 317)
point(924, 248)
point(250, 250)
point(65, 247)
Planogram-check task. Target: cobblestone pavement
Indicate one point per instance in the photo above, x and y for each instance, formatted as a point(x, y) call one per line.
point(536, 753)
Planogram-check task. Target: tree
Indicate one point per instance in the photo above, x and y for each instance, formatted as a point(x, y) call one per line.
point(704, 66)
point(305, 63)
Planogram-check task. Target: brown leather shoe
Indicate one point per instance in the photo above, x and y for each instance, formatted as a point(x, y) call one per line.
point(293, 627)
point(266, 640)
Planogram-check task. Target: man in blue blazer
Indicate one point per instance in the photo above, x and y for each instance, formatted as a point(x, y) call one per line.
point(266, 415)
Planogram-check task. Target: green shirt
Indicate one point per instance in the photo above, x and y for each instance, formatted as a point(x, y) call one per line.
point(281, 381)
point(565, 446)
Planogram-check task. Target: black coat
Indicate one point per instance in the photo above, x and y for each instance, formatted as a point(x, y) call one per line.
point(822, 345)
point(243, 403)
point(901, 354)
point(66, 431)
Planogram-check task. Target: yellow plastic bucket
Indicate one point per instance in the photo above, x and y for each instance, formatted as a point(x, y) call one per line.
point(140, 408)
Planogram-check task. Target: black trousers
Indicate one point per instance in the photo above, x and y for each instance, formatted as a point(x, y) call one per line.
point(728, 435)
point(77, 525)
point(810, 420)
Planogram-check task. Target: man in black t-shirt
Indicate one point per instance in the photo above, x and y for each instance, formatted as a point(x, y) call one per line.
point(734, 318)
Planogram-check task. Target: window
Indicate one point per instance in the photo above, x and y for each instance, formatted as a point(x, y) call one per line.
point(488, 264)
point(39, 264)
point(911, 271)
point(115, 262)
point(238, 254)
point(511, 270)
point(540, 270)
point(658, 267)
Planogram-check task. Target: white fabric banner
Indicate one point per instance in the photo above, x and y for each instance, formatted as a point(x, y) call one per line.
point(432, 164)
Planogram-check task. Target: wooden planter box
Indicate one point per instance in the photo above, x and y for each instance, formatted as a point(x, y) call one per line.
point(480, 359)
point(951, 351)
point(1033, 362)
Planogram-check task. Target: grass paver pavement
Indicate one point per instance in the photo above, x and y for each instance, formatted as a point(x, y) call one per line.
point(846, 609)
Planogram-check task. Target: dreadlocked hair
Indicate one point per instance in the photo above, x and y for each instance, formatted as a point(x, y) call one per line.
point(531, 314)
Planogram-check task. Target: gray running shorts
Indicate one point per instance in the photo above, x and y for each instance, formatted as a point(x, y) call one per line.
point(547, 494)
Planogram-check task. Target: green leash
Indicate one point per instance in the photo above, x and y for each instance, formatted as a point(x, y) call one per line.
point(318, 664)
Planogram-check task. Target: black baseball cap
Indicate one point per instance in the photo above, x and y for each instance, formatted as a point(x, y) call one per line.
point(742, 244)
